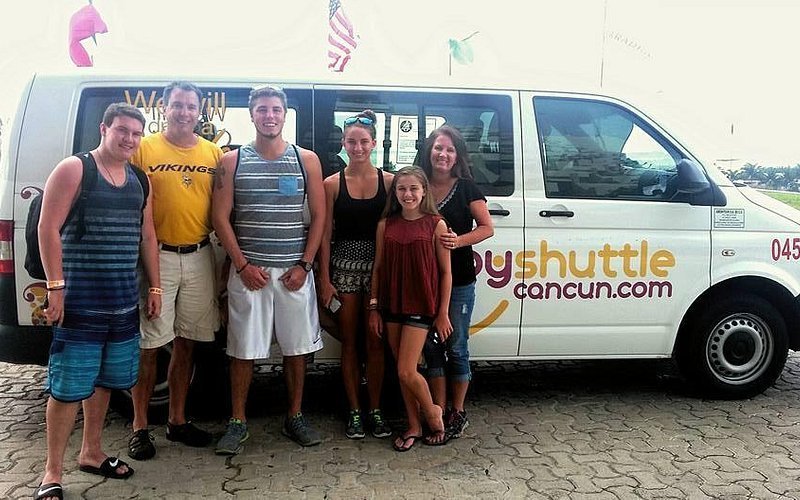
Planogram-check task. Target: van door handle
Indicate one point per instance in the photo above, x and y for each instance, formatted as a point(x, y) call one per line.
point(556, 213)
point(499, 211)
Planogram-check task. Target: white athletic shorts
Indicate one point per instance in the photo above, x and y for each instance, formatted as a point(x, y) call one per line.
point(253, 316)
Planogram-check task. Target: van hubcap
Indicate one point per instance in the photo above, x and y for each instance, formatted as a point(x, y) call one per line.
point(739, 348)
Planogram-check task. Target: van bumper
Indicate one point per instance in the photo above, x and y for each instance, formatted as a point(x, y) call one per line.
point(28, 345)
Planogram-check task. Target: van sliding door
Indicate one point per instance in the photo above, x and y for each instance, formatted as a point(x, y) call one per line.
point(405, 117)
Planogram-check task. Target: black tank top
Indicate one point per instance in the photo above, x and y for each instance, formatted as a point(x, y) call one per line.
point(357, 219)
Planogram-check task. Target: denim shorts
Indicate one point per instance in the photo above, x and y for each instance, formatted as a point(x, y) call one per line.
point(416, 320)
point(453, 355)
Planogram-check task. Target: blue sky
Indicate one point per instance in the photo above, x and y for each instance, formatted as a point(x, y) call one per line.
point(723, 63)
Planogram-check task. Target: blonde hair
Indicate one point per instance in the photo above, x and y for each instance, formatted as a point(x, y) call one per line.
point(427, 206)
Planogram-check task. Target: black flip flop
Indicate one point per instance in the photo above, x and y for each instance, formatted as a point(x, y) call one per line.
point(405, 438)
point(109, 469)
point(48, 490)
point(430, 438)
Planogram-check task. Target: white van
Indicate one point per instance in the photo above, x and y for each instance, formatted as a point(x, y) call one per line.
point(611, 239)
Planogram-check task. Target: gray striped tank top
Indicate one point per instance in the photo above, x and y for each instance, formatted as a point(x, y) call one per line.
point(268, 207)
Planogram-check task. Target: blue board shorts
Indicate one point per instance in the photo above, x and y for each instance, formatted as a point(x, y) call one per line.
point(93, 349)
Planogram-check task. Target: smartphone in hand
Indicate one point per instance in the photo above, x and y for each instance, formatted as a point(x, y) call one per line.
point(334, 304)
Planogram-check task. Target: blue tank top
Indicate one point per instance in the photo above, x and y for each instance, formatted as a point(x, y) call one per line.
point(100, 268)
point(268, 200)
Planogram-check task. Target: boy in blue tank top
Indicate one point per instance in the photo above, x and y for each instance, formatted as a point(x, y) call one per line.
point(92, 293)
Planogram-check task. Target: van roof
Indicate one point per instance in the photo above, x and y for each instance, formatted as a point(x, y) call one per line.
point(545, 84)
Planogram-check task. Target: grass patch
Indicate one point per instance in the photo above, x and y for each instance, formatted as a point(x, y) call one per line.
point(791, 199)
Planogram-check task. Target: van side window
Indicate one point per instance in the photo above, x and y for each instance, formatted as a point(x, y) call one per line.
point(405, 119)
point(593, 149)
point(224, 120)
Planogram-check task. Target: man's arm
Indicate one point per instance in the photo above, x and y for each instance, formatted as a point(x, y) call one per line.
point(316, 203)
point(60, 192)
point(221, 208)
point(149, 252)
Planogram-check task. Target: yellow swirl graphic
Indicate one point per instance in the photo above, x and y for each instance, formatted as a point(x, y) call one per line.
point(490, 318)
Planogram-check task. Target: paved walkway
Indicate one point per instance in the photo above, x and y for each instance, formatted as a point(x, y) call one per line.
point(588, 430)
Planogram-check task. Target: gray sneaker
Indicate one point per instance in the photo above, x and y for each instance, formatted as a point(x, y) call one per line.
point(298, 429)
point(235, 434)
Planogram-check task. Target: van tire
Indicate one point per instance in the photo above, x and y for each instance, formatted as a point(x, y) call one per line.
point(734, 348)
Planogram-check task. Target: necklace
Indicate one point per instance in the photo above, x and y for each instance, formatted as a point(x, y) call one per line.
point(102, 164)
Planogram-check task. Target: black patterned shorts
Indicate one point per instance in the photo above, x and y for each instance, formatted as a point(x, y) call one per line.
point(351, 266)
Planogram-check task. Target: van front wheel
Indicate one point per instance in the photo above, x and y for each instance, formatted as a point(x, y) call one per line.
point(734, 349)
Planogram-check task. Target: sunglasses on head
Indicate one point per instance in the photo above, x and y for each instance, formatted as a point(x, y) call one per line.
point(360, 119)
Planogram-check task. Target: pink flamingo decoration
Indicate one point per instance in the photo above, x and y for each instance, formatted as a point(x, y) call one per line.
point(84, 23)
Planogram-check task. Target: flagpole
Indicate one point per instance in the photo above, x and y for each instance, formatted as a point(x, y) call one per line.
point(603, 43)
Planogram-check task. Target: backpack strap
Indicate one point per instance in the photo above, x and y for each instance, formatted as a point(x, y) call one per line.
point(142, 177)
point(88, 182)
point(302, 170)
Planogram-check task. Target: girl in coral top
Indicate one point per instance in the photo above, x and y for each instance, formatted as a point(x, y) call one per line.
point(411, 283)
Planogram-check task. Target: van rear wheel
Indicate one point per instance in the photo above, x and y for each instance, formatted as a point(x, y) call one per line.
point(734, 349)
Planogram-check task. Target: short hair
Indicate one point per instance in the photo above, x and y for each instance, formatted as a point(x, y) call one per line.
point(266, 91)
point(181, 85)
point(461, 167)
point(427, 206)
point(369, 114)
point(122, 109)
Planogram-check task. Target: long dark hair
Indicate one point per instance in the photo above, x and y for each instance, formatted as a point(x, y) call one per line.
point(461, 168)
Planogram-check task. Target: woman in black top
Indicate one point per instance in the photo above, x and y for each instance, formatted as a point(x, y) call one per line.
point(446, 162)
point(355, 198)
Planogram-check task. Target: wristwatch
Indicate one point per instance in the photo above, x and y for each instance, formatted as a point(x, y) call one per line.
point(307, 266)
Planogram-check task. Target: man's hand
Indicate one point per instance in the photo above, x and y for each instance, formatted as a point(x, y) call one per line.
point(55, 307)
point(153, 306)
point(253, 277)
point(294, 278)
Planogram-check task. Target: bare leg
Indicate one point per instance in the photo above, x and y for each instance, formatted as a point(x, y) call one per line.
point(412, 407)
point(294, 368)
point(459, 393)
point(241, 376)
point(60, 419)
point(178, 376)
point(143, 389)
point(411, 341)
point(438, 387)
point(375, 370)
point(348, 331)
point(94, 418)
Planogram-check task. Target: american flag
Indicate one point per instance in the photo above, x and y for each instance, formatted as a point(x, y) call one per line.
point(341, 38)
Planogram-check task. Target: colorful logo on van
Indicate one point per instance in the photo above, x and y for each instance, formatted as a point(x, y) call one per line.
point(624, 272)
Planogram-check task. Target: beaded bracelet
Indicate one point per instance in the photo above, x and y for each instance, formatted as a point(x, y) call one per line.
point(156, 290)
point(54, 288)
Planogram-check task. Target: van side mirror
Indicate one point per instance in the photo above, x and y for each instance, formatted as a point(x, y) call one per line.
point(691, 178)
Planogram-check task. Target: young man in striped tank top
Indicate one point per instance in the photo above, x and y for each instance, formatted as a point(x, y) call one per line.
point(92, 292)
point(271, 283)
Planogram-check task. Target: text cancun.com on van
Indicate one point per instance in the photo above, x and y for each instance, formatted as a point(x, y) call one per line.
point(582, 275)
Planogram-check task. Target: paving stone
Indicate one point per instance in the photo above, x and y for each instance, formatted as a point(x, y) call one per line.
point(552, 430)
